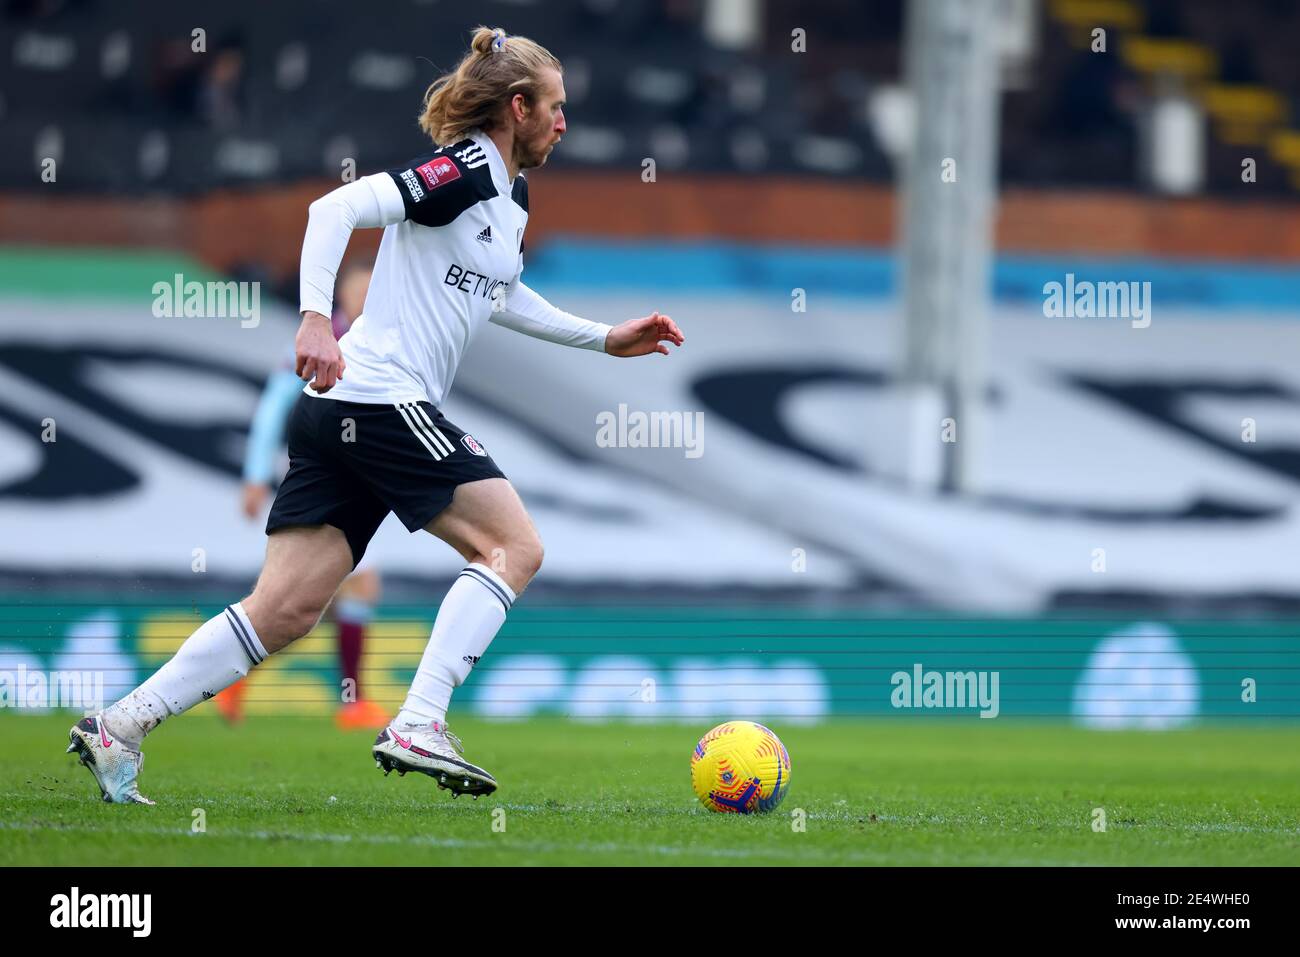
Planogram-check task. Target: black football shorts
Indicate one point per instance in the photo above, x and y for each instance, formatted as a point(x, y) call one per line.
point(351, 463)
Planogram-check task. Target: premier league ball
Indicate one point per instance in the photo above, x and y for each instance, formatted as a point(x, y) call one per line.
point(740, 767)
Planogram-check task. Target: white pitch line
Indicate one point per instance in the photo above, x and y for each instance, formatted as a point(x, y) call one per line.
point(608, 847)
point(887, 858)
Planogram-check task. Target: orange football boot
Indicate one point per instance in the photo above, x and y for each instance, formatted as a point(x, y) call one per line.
point(363, 715)
point(231, 702)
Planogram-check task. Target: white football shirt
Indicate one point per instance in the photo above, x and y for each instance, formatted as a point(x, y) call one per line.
point(450, 259)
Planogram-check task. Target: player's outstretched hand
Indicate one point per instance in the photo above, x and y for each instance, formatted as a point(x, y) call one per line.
point(318, 353)
point(252, 498)
point(641, 337)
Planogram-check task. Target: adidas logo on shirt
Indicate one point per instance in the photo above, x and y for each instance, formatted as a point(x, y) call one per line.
point(472, 156)
point(486, 235)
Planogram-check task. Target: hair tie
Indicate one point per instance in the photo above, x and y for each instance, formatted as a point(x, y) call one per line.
point(498, 40)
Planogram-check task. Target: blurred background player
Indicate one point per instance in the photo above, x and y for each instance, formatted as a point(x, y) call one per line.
point(354, 604)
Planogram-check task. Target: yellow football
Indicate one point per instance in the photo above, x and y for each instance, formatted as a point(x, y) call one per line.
point(740, 767)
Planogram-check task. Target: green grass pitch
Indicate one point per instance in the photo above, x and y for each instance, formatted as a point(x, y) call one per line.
point(294, 791)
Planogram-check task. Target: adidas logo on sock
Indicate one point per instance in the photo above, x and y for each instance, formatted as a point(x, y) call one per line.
point(486, 235)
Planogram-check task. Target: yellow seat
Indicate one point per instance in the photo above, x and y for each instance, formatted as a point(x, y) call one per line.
point(1184, 58)
point(1241, 134)
point(1099, 13)
point(1238, 103)
point(1284, 146)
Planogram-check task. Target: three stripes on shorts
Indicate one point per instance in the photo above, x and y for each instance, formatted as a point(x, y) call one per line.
point(430, 435)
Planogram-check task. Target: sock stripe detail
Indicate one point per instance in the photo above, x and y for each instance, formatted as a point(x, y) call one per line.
point(242, 634)
point(492, 586)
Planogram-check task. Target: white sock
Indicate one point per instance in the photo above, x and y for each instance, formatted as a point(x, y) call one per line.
point(218, 654)
point(468, 620)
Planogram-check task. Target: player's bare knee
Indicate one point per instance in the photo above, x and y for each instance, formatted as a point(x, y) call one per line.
point(287, 622)
point(526, 556)
point(301, 619)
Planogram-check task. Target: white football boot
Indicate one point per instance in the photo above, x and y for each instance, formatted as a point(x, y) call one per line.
point(435, 751)
point(114, 765)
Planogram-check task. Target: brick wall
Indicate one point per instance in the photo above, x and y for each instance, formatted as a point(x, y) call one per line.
point(266, 224)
